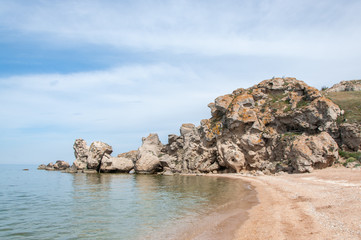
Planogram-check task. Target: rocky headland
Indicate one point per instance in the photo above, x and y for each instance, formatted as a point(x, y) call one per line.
point(279, 125)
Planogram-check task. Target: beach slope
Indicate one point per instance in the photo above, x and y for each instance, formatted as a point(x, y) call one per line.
point(320, 205)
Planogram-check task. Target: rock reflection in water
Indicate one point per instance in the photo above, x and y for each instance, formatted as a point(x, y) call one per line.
point(122, 206)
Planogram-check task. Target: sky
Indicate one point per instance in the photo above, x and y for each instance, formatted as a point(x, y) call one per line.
point(115, 71)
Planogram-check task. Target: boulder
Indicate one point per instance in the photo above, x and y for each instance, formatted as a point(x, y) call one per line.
point(313, 152)
point(50, 167)
point(81, 152)
point(72, 169)
point(148, 155)
point(42, 167)
point(116, 164)
point(61, 165)
point(96, 152)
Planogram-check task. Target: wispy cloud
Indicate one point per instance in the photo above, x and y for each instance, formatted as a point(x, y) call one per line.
point(123, 97)
point(310, 29)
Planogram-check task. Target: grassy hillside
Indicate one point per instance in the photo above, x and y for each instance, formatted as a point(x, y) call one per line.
point(350, 102)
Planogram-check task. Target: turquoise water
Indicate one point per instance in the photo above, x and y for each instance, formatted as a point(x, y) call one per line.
point(39, 204)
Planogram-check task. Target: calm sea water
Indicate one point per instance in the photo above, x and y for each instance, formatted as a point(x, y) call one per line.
point(39, 204)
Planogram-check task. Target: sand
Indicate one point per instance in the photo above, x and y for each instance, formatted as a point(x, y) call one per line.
point(325, 204)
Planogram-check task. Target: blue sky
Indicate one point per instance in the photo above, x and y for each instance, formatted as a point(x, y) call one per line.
point(116, 71)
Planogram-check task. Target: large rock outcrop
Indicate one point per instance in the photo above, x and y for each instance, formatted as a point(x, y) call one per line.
point(281, 124)
point(247, 128)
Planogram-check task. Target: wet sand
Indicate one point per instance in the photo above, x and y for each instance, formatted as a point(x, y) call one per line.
point(224, 220)
point(325, 204)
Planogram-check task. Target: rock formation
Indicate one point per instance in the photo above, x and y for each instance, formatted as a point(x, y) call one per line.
point(132, 155)
point(308, 152)
point(116, 164)
point(260, 128)
point(42, 167)
point(97, 151)
point(350, 136)
point(281, 124)
point(59, 165)
point(353, 85)
point(81, 152)
point(148, 155)
point(97, 158)
point(347, 94)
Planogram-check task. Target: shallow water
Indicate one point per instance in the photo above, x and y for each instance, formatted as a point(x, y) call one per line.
point(38, 204)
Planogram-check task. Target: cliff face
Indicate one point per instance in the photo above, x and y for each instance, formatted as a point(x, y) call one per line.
point(281, 124)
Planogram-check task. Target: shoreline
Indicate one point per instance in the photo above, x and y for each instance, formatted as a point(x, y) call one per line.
point(225, 220)
point(324, 204)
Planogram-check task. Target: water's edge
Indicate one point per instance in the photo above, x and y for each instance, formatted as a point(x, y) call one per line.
point(224, 223)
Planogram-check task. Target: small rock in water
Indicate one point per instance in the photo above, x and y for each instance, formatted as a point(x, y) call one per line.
point(25, 169)
point(41, 167)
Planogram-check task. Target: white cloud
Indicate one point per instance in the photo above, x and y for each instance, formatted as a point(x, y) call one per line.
point(127, 96)
point(310, 29)
point(118, 105)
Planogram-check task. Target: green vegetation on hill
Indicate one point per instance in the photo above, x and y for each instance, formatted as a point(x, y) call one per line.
point(355, 155)
point(350, 102)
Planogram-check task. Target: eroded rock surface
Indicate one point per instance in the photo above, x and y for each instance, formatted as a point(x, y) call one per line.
point(41, 167)
point(61, 165)
point(148, 159)
point(132, 155)
point(97, 150)
point(248, 127)
point(81, 152)
point(312, 152)
point(350, 134)
point(116, 164)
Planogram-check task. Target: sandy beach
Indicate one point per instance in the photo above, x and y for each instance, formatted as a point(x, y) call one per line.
point(325, 204)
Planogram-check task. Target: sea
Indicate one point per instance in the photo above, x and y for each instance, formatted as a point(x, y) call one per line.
point(39, 204)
